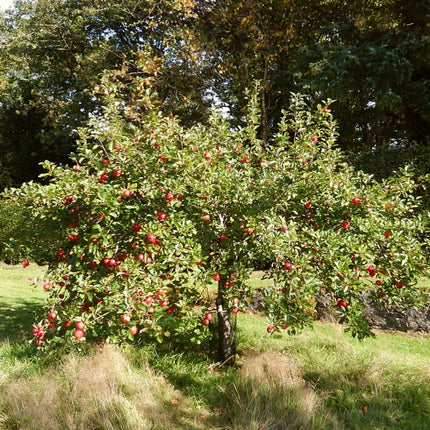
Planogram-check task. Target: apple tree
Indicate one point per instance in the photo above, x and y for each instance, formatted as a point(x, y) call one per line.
point(151, 214)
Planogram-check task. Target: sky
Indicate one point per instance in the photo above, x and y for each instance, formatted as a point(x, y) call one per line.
point(4, 4)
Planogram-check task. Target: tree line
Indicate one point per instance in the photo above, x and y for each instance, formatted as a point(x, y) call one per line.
point(371, 57)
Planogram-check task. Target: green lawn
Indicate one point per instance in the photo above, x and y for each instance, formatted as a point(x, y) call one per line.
point(19, 300)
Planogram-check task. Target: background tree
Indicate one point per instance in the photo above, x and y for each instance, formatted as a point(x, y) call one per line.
point(53, 54)
point(374, 60)
point(371, 57)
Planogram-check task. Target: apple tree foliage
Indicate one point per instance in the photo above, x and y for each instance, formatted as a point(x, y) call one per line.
point(152, 215)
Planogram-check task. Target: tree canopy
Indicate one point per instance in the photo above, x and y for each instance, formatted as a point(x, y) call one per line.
point(153, 212)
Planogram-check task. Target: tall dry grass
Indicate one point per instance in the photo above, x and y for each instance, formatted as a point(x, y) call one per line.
point(319, 381)
point(100, 391)
point(270, 394)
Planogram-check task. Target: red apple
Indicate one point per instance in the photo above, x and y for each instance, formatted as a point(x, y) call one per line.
point(223, 237)
point(371, 270)
point(288, 265)
point(47, 286)
point(125, 318)
point(356, 200)
point(151, 238)
point(270, 329)
point(52, 315)
point(112, 262)
point(128, 192)
point(216, 276)
point(169, 197)
point(103, 177)
point(69, 199)
point(133, 330)
point(209, 316)
point(148, 300)
point(342, 304)
point(161, 216)
point(344, 225)
point(137, 228)
point(78, 333)
point(205, 321)
point(206, 217)
point(80, 325)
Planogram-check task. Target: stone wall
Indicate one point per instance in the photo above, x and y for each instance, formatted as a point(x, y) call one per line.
point(385, 318)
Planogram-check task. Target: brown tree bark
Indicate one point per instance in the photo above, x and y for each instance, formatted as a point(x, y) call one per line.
point(226, 332)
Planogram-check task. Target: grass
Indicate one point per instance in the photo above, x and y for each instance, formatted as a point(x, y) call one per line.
point(321, 379)
point(19, 300)
point(424, 284)
point(388, 376)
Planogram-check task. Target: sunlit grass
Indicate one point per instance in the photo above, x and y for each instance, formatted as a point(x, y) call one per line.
point(19, 300)
point(375, 383)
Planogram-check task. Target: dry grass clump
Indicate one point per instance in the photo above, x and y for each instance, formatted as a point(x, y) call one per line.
point(271, 395)
point(100, 391)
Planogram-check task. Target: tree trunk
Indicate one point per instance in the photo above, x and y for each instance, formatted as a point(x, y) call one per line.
point(264, 108)
point(226, 332)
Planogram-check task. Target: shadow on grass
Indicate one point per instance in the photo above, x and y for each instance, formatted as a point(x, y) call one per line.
point(355, 397)
point(16, 322)
point(245, 400)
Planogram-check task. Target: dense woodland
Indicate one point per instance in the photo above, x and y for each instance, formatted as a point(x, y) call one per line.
point(372, 57)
